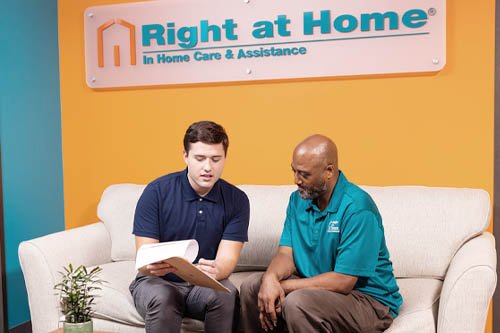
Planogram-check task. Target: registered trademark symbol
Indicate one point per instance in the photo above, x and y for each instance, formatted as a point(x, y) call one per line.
point(432, 11)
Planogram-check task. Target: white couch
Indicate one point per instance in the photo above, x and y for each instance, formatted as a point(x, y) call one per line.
point(444, 261)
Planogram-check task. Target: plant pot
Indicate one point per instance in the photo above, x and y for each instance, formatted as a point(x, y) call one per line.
point(86, 327)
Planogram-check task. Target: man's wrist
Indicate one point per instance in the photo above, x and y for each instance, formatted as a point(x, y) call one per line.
point(270, 276)
point(286, 285)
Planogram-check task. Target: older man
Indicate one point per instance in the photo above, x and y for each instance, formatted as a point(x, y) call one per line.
point(332, 272)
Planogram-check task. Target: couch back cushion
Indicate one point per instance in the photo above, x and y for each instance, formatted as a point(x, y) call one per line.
point(116, 210)
point(424, 226)
point(267, 216)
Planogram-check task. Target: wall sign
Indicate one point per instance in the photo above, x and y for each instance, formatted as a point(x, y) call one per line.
point(196, 41)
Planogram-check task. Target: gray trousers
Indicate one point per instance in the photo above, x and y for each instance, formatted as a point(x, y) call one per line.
point(163, 304)
point(315, 310)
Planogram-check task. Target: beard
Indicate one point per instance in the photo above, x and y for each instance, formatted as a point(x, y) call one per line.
point(312, 192)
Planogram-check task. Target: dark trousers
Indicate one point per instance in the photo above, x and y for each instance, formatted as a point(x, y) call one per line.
point(163, 304)
point(315, 310)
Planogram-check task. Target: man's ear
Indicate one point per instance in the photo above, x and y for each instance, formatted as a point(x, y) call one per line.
point(330, 169)
point(185, 155)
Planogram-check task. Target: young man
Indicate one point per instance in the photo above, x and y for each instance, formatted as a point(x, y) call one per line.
point(333, 239)
point(192, 204)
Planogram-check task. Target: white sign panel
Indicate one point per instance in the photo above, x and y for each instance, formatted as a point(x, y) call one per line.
point(197, 41)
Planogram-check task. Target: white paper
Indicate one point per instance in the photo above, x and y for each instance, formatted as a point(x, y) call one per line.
point(151, 253)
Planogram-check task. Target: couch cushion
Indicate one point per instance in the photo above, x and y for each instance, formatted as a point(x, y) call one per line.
point(267, 206)
point(417, 314)
point(115, 303)
point(425, 226)
point(238, 277)
point(420, 305)
point(116, 209)
point(267, 217)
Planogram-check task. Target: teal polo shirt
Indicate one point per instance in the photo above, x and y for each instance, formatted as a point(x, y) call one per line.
point(347, 237)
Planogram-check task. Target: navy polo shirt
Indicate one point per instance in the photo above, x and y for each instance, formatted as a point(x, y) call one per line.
point(170, 210)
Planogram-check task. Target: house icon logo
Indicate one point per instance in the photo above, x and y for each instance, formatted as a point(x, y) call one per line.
point(100, 42)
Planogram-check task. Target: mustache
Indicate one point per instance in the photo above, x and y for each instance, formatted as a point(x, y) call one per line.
point(312, 192)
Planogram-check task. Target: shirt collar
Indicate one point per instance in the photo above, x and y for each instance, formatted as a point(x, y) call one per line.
point(336, 198)
point(190, 194)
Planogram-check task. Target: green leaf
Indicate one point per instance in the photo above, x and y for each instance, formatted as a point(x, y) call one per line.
point(76, 291)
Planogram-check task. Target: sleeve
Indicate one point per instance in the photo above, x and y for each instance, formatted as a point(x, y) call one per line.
point(359, 246)
point(236, 228)
point(286, 235)
point(146, 218)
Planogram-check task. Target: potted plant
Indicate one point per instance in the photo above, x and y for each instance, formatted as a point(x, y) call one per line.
point(77, 296)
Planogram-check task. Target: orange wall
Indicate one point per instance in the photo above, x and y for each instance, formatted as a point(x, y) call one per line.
point(434, 130)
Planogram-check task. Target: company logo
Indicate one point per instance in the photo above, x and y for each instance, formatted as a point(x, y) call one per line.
point(100, 42)
point(332, 226)
point(156, 43)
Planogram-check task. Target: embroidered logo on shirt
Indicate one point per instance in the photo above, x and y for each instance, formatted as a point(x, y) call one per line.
point(332, 226)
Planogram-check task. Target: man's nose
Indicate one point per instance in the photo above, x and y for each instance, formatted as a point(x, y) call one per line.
point(208, 165)
point(297, 179)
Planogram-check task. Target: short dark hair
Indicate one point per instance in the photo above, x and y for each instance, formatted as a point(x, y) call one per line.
point(206, 132)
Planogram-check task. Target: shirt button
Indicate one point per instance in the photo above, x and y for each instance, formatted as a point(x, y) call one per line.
point(200, 212)
point(200, 199)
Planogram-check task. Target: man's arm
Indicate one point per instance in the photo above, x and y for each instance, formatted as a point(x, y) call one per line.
point(282, 265)
point(332, 281)
point(225, 260)
point(156, 269)
point(271, 294)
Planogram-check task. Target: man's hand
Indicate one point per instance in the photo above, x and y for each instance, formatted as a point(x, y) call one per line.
point(270, 299)
point(209, 267)
point(158, 269)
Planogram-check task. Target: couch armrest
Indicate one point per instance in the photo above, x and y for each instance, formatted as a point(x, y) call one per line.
point(42, 258)
point(468, 287)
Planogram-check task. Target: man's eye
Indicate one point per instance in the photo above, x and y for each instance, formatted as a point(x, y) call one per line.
point(199, 158)
point(216, 159)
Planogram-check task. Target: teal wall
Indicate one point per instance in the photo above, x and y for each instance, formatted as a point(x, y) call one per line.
point(30, 135)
